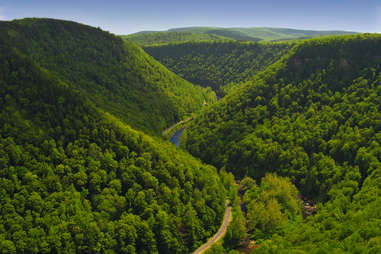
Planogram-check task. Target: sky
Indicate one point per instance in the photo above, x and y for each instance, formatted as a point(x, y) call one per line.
point(129, 16)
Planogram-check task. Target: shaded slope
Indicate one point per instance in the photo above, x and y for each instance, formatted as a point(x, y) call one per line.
point(218, 64)
point(118, 76)
point(76, 180)
point(310, 116)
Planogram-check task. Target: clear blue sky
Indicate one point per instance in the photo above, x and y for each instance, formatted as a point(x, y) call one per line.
point(128, 16)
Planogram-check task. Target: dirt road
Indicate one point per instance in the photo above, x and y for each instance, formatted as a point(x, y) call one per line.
point(221, 232)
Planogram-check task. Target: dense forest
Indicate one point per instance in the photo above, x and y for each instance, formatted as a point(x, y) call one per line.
point(348, 223)
point(117, 75)
point(259, 33)
point(314, 117)
point(260, 211)
point(75, 179)
point(160, 38)
point(219, 65)
point(202, 33)
point(299, 124)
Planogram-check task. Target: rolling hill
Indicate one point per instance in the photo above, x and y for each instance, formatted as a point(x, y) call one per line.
point(241, 34)
point(115, 74)
point(260, 33)
point(160, 38)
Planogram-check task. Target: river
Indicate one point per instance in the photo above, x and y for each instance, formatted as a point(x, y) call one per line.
point(175, 139)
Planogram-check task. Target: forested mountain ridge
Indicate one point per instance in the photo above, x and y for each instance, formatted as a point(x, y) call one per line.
point(218, 64)
point(303, 122)
point(313, 116)
point(240, 34)
point(117, 75)
point(252, 127)
point(162, 38)
point(77, 180)
point(261, 33)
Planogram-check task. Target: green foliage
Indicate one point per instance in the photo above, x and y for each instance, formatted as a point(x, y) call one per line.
point(217, 64)
point(271, 205)
point(258, 33)
point(216, 249)
point(312, 116)
point(236, 232)
point(116, 75)
point(345, 224)
point(230, 185)
point(74, 179)
point(160, 38)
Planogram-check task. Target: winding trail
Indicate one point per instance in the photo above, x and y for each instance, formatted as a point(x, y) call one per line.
point(221, 232)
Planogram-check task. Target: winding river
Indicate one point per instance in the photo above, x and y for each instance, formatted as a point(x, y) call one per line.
point(175, 139)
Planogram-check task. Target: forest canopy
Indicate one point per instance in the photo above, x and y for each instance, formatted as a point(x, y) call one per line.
point(162, 38)
point(313, 116)
point(116, 75)
point(76, 179)
point(300, 121)
point(219, 65)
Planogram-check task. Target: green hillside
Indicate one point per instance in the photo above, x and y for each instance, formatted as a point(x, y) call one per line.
point(218, 64)
point(313, 116)
point(348, 223)
point(117, 75)
point(219, 33)
point(75, 179)
point(293, 147)
point(159, 38)
point(259, 33)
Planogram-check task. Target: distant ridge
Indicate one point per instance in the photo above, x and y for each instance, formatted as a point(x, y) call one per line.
point(145, 38)
point(163, 38)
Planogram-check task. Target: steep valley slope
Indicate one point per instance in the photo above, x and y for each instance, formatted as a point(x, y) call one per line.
point(115, 74)
point(73, 177)
point(219, 65)
point(313, 116)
